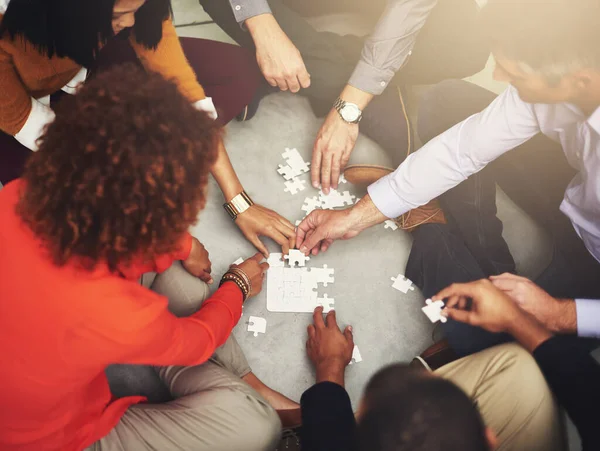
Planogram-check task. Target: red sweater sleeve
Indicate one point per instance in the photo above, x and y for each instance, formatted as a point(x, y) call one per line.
point(143, 331)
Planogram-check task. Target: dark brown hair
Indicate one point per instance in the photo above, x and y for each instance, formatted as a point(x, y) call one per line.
point(122, 171)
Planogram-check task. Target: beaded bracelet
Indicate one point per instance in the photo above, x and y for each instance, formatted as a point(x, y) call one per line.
point(240, 273)
point(230, 277)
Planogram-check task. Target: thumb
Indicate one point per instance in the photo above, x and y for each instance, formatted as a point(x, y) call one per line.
point(313, 239)
point(349, 336)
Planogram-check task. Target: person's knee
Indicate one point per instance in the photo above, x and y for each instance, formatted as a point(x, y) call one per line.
point(257, 425)
point(186, 292)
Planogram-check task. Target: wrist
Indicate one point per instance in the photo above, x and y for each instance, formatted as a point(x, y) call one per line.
point(356, 96)
point(528, 331)
point(260, 23)
point(331, 370)
point(364, 215)
point(565, 318)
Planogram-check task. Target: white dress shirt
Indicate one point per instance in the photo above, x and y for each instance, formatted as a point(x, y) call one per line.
point(469, 146)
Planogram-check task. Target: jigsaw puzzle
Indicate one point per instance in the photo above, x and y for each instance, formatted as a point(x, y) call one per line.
point(294, 186)
point(310, 204)
point(295, 257)
point(326, 302)
point(335, 199)
point(356, 357)
point(257, 325)
point(389, 224)
point(295, 164)
point(433, 311)
point(401, 283)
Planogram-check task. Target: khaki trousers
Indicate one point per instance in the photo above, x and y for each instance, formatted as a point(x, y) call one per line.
point(512, 396)
point(213, 408)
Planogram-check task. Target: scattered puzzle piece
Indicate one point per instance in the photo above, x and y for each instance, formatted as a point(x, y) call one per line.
point(296, 257)
point(389, 224)
point(433, 311)
point(401, 283)
point(294, 186)
point(310, 204)
point(257, 325)
point(335, 199)
point(287, 172)
point(356, 357)
point(342, 179)
point(239, 261)
point(295, 162)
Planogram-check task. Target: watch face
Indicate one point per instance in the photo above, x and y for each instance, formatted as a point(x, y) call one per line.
point(350, 112)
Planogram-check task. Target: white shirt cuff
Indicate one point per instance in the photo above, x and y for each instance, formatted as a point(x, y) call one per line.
point(40, 116)
point(385, 198)
point(207, 105)
point(76, 81)
point(588, 317)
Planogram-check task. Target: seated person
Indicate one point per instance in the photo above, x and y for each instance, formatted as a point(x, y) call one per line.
point(539, 140)
point(413, 42)
point(494, 399)
point(47, 48)
point(108, 199)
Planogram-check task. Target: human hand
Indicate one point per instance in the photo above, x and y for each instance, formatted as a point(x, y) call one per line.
point(328, 348)
point(278, 58)
point(557, 315)
point(490, 309)
point(255, 270)
point(331, 151)
point(259, 221)
point(198, 263)
point(320, 228)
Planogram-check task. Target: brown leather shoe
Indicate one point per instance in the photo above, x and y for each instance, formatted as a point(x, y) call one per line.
point(430, 213)
point(435, 356)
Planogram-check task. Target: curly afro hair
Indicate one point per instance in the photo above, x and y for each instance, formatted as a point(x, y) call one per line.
point(122, 171)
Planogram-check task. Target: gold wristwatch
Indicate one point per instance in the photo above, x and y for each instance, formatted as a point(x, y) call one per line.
point(238, 205)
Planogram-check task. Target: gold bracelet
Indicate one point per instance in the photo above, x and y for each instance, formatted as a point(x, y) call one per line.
point(230, 277)
point(241, 273)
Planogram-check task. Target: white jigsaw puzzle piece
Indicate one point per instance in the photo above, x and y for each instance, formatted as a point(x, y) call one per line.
point(275, 260)
point(401, 283)
point(342, 179)
point(296, 257)
point(257, 325)
point(389, 224)
point(294, 186)
point(310, 204)
point(322, 275)
point(287, 172)
point(239, 261)
point(335, 199)
point(433, 310)
point(295, 162)
point(356, 357)
point(327, 303)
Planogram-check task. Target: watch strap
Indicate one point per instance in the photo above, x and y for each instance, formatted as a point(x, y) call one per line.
point(339, 104)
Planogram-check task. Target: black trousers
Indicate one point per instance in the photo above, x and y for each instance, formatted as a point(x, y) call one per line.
point(470, 247)
point(450, 45)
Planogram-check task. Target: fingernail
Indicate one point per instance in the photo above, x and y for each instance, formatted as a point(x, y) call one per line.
point(315, 184)
point(303, 249)
point(210, 281)
point(350, 328)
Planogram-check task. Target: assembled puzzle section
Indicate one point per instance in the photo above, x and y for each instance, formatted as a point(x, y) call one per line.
point(292, 288)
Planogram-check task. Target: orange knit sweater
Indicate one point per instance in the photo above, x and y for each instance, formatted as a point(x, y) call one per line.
point(26, 73)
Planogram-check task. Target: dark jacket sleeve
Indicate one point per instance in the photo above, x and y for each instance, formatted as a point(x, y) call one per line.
point(574, 377)
point(327, 419)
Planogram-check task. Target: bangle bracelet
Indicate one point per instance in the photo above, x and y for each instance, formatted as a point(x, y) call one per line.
point(240, 272)
point(230, 277)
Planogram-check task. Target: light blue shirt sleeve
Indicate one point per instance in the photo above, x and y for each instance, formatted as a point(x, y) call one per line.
point(588, 317)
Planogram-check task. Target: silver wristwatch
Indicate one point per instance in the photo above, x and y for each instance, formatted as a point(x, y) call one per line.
point(349, 112)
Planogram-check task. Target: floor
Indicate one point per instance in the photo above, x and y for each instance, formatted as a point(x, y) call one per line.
point(388, 325)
